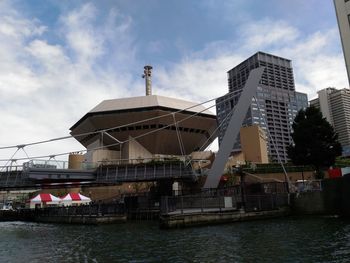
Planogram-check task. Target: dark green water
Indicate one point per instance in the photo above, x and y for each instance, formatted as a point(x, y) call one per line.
point(310, 239)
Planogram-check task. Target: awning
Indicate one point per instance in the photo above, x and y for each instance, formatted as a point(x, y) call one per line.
point(45, 198)
point(75, 197)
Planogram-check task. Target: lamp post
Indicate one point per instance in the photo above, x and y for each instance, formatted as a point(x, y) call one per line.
point(242, 179)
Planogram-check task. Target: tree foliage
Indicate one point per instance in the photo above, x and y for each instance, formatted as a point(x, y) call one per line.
point(315, 142)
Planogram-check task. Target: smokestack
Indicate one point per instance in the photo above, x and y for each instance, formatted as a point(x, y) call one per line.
point(148, 79)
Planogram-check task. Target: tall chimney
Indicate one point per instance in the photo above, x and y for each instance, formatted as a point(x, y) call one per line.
point(148, 78)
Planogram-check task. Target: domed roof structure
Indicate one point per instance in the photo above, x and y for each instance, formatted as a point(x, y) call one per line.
point(150, 121)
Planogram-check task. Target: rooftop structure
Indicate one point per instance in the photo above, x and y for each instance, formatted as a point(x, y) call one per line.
point(147, 75)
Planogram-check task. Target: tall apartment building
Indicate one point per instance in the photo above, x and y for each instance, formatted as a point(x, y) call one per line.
point(335, 107)
point(276, 104)
point(342, 8)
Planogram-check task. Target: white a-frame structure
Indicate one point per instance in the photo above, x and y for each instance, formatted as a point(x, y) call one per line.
point(240, 111)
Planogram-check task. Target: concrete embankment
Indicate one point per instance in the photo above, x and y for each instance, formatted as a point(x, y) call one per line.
point(9, 215)
point(83, 214)
point(33, 216)
point(217, 217)
point(334, 198)
point(309, 203)
point(91, 220)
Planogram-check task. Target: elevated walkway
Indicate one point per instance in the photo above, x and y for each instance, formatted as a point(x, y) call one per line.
point(35, 177)
point(14, 178)
point(144, 172)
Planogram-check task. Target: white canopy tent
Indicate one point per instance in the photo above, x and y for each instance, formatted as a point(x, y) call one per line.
point(44, 199)
point(75, 199)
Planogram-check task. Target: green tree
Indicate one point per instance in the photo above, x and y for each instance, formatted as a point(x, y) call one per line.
point(315, 142)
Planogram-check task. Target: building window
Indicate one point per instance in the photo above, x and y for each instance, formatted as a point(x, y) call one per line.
point(349, 18)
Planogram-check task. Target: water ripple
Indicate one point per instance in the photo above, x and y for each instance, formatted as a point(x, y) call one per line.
point(310, 239)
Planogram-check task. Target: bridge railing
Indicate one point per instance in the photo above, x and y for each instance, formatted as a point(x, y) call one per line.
point(11, 175)
point(45, 164)
point(10, 168)
point(144, 172)
point(200, 163)
point(141, 160)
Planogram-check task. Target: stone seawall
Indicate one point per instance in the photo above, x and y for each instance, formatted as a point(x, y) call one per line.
point(9, 215)
point(333, 199)
point(309, 203)
point(91, 220)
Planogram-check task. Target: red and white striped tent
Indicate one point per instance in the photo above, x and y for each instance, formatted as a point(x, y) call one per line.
point(75, 198)
point(44, 199)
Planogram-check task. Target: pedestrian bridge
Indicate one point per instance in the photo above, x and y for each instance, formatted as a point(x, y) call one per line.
point(145, 172)
point(29, 176)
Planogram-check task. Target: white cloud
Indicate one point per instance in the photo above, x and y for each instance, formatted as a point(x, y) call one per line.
point(17, 29)
point(16, 79)
point(268, 33)
point(47, 87)
point(82, 36)
point(195, 79)
point(316, 64)
point(50, 58)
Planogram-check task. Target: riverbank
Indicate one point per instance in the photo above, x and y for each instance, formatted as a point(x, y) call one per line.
point(214, 207)
point(176, 219)
point(84, 214)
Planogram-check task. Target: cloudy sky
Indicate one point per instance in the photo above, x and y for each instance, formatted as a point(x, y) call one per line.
point(61, 58)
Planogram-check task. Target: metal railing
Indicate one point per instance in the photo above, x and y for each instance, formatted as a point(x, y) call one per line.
point(45, 164)
point(307, 186)
point(206, 203)
point(265, 202)
point(144, 172)
point(12, 176)
point(192, 204)
point(83, 210)
point(140, 161)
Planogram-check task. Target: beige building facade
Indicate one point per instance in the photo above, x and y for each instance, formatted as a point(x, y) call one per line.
point(253, 147)
point(254, 144)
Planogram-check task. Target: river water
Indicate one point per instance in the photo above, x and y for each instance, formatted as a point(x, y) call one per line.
point(300, 239)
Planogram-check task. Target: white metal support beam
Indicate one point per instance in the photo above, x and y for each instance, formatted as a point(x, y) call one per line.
point(235, 123)
point(112, 137)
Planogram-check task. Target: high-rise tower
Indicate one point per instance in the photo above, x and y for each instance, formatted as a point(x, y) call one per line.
point(335, 107)
point(277, 101)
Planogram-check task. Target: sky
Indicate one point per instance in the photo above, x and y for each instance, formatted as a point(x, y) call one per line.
point(59, 59)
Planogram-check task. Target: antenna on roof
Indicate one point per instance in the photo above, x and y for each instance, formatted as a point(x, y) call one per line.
point(148, 79)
